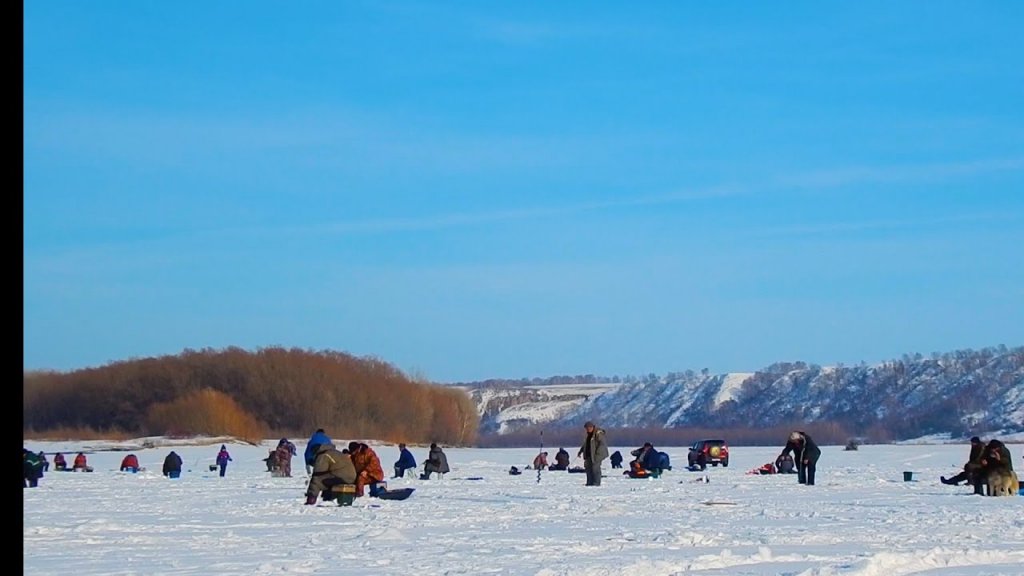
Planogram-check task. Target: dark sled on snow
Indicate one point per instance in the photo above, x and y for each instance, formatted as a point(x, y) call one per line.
point(399, 494)
point(577, 470)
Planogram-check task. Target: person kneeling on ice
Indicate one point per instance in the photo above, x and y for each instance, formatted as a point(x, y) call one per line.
point(172, 465)
point(784, 464)
point(32, 468)
point(616, 459)
point(368, 469)
point(130, 463)
point(330, 468)
point(540, 461)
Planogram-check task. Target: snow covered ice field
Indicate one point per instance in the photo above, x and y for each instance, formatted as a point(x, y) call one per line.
point(861, 518)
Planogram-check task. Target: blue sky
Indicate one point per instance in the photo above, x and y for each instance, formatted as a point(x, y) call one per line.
point(471, 190)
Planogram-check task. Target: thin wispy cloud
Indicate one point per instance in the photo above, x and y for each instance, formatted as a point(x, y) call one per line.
point(835, 178)
point(832, 228)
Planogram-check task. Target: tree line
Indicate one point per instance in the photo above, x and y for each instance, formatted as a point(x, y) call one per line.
point(251, 395)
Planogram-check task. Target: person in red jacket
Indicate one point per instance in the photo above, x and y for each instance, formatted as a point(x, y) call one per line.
point(80, 463)
point(59, 463)
point(130, 464)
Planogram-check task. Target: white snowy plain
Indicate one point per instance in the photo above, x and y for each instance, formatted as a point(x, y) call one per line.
point(861, 518)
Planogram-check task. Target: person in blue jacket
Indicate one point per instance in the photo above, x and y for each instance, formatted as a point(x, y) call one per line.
point(315, 441)
point(406, 461)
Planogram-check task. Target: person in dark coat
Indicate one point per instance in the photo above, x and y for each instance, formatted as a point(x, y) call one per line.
point(805, 455)
point(32, 469)
point(406, 461)
point(784, 464)
point(172, 465)
point(971, 468)
point(309, 456)
point(616, 459)
point(46, 463)
point(437, 461)
point(330, 468)
point(561, 460)
point(594, 451)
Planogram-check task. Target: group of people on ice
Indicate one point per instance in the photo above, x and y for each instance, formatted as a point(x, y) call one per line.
point(359, 466)
point(989, 469)
point(35, 465)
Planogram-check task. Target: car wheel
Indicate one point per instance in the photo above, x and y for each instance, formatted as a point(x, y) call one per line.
point(725, 463)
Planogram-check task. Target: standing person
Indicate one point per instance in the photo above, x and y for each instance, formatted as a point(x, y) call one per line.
point(805, 454)
point(437, 461)
point(315, 441)
point(46, 463)
point(283, 457)
point(172, 465)
point(594, 451)
point(406, 461)
point(368, 468)
point(330, 468)
point(222, 459)
point(32, 469)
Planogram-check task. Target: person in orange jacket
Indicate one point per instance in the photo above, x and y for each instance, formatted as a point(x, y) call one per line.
point(80, 463)
point(130, 463)
point(367, 465)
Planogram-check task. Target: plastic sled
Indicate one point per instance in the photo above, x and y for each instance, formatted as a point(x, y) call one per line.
point(399, 494)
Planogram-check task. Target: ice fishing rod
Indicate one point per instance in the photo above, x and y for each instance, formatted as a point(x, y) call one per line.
point(539, 453)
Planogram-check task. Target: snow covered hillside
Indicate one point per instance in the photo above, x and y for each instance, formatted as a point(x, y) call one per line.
point(957, 393)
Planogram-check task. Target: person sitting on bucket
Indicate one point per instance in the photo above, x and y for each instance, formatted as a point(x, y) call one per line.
point(80, 463)
point(406, 461)
point(59, 463)
point(561, 460)
point(437, 461)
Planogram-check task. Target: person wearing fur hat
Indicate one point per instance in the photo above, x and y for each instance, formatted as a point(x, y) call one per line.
point(805, 454)
point(971, 469)
point(594, 451)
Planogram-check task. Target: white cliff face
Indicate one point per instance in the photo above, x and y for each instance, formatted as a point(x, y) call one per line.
point(951, 393)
